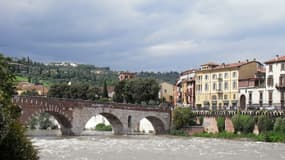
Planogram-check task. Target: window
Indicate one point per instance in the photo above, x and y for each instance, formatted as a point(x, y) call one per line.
point(282, 80)
point(282, 99)
point(249, 98)
point(206, 77)
point(282, 66)
point(270, 68)
point(214, 86)
point(214, 76)
point(226, 75)
point(225, 97)
point(220, 86)
point(270, 93)
point(226, 86)
point(214, 98)
point(261, 98)
point(234, 96)
point(220, 75)
point(206, 87)
point(220, 96)
point(234, 85)
point(234, 74)
point(270, 81)
point(165, 91)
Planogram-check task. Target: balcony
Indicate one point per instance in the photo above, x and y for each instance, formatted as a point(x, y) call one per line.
point(219, 91)
point(220, 79)
point(280, 86)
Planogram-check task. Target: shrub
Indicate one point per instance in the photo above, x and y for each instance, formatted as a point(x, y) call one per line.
point(279, 125)
point(16, 146)
point(183, 117)
point(264, 123)
point(221, 124)
point(243, 123)
point(103, 127)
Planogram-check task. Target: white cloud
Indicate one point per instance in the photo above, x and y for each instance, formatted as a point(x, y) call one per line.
point(167, 49)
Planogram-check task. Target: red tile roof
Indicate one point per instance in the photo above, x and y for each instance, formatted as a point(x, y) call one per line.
point(231, 65)
point(210, 64)
point(275, 60)
point(188, 71)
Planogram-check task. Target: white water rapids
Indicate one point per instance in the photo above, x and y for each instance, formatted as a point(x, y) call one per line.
point(109, 147)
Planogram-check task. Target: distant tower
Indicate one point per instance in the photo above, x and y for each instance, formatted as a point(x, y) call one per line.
point(126, 75)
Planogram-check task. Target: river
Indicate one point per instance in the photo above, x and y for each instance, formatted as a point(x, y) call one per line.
point(147, 147)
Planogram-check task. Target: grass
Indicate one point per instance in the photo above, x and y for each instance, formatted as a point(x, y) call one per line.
point(264, 137)
point(178, 133)
point(21, 79)
point(103, 127)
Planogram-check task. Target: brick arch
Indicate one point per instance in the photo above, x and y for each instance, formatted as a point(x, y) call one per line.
point(63, 118)
point(157, 123)
point(115, 122)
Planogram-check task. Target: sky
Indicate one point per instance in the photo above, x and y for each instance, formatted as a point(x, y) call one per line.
point(143, 35)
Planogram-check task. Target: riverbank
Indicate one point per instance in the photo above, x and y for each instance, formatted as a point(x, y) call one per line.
point(263, 137)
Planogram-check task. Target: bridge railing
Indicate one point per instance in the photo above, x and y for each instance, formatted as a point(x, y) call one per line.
point(94, 103)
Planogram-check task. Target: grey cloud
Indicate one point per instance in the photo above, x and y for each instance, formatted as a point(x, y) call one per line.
point(143, 34)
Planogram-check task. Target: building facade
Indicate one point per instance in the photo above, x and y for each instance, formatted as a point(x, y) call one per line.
point(184, 91)
point(253, 92)
point(217, 85)
point(126, 75)
point(166, 92)
point(275, 82)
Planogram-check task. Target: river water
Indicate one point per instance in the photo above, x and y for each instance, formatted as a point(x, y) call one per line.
point(110, 147)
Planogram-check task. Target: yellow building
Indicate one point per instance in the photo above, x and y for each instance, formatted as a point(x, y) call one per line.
point(166, 92)
point(217, 86)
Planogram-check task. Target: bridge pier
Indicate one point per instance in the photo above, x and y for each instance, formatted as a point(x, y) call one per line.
point(67, 132)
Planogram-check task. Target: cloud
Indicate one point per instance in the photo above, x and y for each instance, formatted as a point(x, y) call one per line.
point(142, 34)
point(168, 49)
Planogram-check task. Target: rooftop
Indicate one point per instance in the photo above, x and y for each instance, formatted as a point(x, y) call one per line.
point(276, 59)
point(228, 66)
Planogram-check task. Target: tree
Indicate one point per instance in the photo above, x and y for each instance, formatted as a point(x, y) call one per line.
point(140, 90)
point(105, 90)
point(183, 117)
point(13, 143)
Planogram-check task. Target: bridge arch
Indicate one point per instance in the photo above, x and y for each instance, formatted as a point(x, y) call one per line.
point(116, 123)
point(63, 119)
point(158, 124)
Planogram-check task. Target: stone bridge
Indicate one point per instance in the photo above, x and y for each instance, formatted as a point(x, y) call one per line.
point(72, 115)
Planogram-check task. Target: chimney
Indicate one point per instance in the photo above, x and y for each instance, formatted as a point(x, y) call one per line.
point(224, 65)
point(254, 59)
point(246, 60)
point(239, 61)
point(276, 58)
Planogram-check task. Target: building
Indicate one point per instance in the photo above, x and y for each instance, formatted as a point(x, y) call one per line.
point(184, 92)
point(275, 82)
point(126, 75)
point(25, 86)
point(252, 91)
point(166, 92)
point(217, 85)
